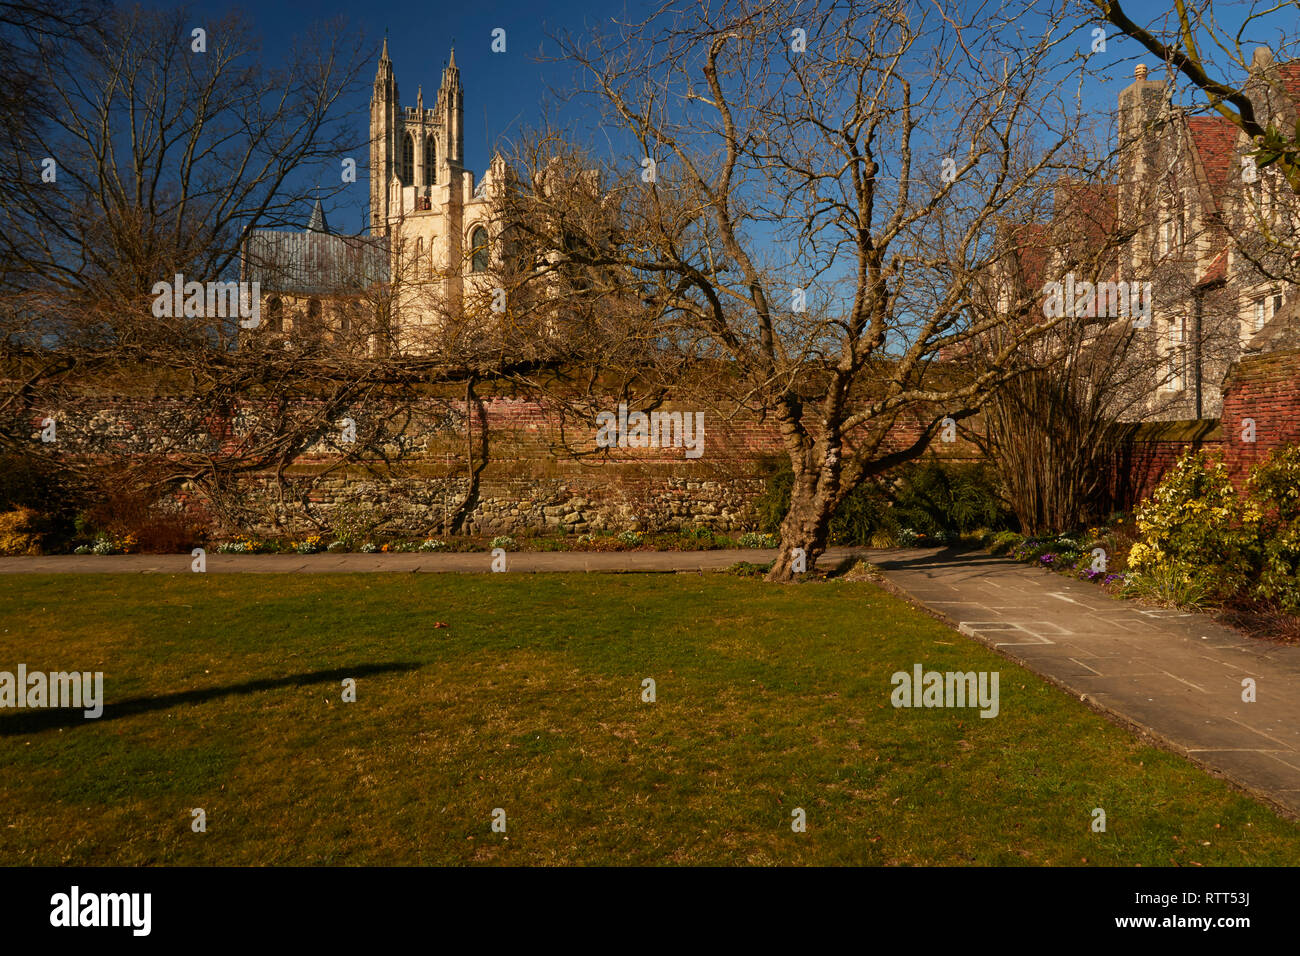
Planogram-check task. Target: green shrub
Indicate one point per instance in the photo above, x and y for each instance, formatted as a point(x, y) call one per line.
point(771, 506)
point(937, 499)
point(945, 500)
point(1003, 542)
point(1273, 510)
point(1174, 584)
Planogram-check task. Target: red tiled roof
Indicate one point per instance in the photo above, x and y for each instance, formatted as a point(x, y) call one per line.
point(1217, 271)
point(1290, 73)
point(1215, 141)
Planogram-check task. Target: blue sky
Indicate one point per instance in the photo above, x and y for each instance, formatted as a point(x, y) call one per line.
point(506, 91)
point(502, 91)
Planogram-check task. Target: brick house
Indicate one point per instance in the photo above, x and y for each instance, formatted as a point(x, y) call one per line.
point(1190, 215)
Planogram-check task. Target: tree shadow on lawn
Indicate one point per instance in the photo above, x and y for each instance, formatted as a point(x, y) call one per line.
point(35, 721)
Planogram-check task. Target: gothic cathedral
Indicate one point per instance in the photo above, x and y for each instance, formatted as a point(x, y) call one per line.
point(440, 228)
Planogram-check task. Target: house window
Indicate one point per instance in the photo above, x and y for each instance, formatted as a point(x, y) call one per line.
point(478, 244)
point(1171, 232)
point(1177, 353)
point(431, 269)
point(430, 161)
point(408, 160)
point(1277, 303)
point(1261, 313)
point(345, 324)
point(276, 309)
point(419, 255)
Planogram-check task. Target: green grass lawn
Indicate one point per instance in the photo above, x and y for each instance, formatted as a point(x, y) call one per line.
point(224, 692)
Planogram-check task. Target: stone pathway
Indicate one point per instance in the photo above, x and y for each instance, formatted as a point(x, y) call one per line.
point(1174, 676)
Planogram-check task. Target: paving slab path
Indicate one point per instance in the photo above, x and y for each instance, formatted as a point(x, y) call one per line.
point(1175, 676)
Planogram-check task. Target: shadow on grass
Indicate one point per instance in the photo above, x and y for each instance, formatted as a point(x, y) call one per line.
point(35, 721)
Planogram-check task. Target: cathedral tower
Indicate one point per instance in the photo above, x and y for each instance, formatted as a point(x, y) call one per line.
point(420, 148)
point(383, 141)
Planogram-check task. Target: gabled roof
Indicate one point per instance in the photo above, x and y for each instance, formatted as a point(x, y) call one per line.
point(1215, 141)
point(313, 263)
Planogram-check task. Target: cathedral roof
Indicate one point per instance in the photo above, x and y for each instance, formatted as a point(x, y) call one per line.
point(313, 262)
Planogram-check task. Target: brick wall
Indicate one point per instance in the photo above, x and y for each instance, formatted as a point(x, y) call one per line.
point(1261, 394)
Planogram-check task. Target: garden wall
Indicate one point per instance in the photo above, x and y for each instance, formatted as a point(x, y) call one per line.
point(538, 469)
point(1261, 412)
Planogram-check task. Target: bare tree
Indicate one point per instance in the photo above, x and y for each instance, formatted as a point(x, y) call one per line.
point(160, 151)
point(803, 202)
point(170, 153)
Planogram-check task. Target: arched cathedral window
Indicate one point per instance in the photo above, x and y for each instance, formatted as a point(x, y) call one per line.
point(430, 161)
point(408, 160)
point(478, 244)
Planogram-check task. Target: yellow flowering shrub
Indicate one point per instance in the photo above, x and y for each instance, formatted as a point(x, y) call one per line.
point(20, 532)
point(1197, 523)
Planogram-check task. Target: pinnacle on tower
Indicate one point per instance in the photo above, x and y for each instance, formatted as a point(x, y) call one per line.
point(317, 222)
point(451, 75)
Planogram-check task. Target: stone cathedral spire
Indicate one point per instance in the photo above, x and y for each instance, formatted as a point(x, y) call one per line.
point(451, 108)
point(384, 127)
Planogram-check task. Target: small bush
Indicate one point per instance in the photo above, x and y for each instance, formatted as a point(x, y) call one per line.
point(946, 500)
point(884, 538)
point(1274, 512)
point(505, 542)
point(931, 500)
point(1004, 542)
point(21, 532)
point(1193, 524)
point(309, 545)
point(750, 569)
point(1174, 584)
point(753, 539)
